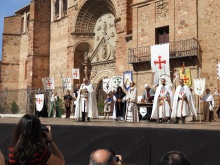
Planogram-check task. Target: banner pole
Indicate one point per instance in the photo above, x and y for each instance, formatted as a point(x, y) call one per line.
point(199, 103)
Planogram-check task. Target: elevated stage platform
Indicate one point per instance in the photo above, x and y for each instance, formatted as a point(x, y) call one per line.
point(142, 143)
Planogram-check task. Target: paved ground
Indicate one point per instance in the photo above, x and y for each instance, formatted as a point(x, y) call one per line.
point(215, 125)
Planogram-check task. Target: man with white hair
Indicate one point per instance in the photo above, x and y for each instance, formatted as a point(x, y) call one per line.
point(148, 97)
point(86, 102)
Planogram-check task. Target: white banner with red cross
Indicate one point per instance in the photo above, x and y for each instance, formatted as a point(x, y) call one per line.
point(48, 83)
point(160, 65)
point(66, 81)
point(75, 73)
point(39, 101)
point(160, 55)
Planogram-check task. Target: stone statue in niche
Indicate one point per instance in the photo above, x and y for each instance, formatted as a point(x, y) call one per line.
point(105, 28)
point(104, 49)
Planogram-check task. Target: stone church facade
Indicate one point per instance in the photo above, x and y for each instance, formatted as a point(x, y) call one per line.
point(47, 38)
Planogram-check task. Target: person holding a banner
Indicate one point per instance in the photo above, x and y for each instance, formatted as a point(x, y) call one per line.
point(131, 108)
point(119, 98)
point(183, 104)
point(75, 95)
point(208, 105)
point(68, 102)
point(107, 106)
point(55, 106)
point(162, 106)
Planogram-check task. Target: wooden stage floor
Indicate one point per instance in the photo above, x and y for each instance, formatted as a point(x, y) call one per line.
point(215, 125)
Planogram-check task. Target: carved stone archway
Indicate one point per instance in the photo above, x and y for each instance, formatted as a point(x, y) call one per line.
point(90, 12)
point(97, 27)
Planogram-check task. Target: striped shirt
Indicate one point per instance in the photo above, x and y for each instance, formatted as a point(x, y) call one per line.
point(40, 157)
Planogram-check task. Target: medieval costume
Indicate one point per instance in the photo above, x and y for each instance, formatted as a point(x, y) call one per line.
point(162, 106)
point(183, 104)
point(107, 106)
point(148, 97)
point(132, 109)
point(86, 104)
point(68, 102)
point(75, 95)
point(208, 106)
point(55, 105)
point(119, 98)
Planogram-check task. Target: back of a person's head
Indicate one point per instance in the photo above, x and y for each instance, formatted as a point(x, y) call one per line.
point(2, 159)
point(174, 158)
point(27, 134)
point(101, 157)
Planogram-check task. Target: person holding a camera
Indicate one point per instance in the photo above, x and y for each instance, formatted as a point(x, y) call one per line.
point(105, 157)
point(33, 144)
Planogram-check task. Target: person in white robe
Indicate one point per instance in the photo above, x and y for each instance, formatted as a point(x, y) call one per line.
point(131, 108)
point(183, 104)
point(162, 106)
point(86, 104)
point(208, 105)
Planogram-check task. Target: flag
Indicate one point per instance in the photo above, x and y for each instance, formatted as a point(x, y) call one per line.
point(66, 81)
point(160, 64)
point(75, 73)
point(127, 78)
point(39, 101)
point(186, 76)
point(199, 86)
point(160, 56)
point(107, 85)
point(48, 83)
point(116, 82)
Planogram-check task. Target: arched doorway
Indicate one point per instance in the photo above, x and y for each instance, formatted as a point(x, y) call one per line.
point(81, 50)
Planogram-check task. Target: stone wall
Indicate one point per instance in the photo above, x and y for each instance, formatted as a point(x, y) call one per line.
point(39, 42)
point(58, 50)
point(208, 35)
point(10, 52)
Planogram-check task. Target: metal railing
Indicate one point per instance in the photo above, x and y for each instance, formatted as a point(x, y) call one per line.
point(25, 99)
point(178, 49)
